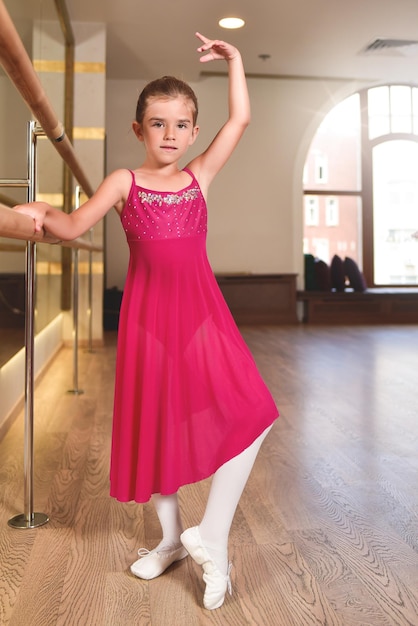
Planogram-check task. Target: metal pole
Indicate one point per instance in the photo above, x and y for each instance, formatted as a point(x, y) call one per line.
point(14, 182)
point(29, 519)
point(75, 390)
point(90, 296)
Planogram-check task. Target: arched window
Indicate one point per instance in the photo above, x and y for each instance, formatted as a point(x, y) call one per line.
point(361, 185)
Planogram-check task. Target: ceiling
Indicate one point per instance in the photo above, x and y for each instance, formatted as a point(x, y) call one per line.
point(321, 39)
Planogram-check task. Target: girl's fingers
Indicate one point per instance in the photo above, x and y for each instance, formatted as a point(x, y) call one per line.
point(202, 38)
point(209, 43)
point(206, 58)
point(38, 226)
point(206, 46)
point(215, 48)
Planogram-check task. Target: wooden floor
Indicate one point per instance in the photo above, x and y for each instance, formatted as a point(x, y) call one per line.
point(327, 529)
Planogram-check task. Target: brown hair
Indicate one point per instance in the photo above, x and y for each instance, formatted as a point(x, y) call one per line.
point(166, 87)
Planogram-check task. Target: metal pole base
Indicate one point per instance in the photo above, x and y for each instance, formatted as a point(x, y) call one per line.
point(76, 392)
point(35, 520)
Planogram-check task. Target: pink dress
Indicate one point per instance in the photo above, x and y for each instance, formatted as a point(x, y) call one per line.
point(188, 395)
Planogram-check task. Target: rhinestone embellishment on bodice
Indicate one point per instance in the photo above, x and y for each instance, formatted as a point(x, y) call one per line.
point(164, 215)
point(172, 198)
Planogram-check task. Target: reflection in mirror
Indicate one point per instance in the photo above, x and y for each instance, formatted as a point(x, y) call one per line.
point(38, 26)
point(12, 285)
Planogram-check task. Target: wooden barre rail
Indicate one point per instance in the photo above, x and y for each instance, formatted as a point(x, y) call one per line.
point(18, 66)
point(19, 226)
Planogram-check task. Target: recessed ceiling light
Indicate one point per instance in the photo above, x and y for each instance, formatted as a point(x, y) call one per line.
point(231, 22)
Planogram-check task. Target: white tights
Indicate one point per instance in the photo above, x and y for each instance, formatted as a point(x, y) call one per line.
point(228, 483)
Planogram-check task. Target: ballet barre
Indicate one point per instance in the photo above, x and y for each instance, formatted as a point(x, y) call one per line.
point(19, 68)
point(18, 226)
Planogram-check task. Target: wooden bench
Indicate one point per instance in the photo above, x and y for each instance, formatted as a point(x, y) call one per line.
point(381, 305)
point(260, 298)
point(252, 299)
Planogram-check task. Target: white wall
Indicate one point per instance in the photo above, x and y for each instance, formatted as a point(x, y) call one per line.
point(255, 204)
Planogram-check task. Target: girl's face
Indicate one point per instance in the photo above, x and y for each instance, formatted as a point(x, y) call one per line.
point(167, 128)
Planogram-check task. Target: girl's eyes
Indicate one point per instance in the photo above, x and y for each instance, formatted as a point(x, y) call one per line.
point(181, 125)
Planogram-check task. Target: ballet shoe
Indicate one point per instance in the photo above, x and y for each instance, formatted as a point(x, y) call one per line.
point(217, 584)
point(153, 563)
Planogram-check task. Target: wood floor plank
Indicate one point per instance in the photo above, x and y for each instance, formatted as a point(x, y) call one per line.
point(39, 598)
point(84, 585)
point(126, 534)
point(15, 549)
point(126, 601)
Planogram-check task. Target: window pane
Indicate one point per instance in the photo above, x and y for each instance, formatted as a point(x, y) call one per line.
point(311, 211)
point(321, 168)
point(400, 106)
point(342, 236)
point(333, 161)
point(395, 215)
point(379, 111)
point(331, 211)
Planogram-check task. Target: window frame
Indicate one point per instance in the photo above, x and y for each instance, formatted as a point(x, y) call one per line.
point(365, 193)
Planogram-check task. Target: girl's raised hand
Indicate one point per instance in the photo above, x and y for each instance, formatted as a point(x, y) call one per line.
point(216, 49)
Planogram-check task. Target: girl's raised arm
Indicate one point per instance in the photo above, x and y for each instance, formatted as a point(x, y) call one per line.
point(66, 226)
point(208, 164)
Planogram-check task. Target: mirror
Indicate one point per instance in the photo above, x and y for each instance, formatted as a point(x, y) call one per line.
point(39, 28)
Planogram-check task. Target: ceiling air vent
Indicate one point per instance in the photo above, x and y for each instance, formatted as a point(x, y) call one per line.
point(394, 47)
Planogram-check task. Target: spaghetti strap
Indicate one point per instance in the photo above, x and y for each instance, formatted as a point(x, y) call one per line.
point(186, 169)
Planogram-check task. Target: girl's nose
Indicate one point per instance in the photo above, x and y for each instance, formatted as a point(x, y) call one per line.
point(169, 133)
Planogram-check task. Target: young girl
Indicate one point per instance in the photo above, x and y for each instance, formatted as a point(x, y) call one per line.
point(189, 401)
